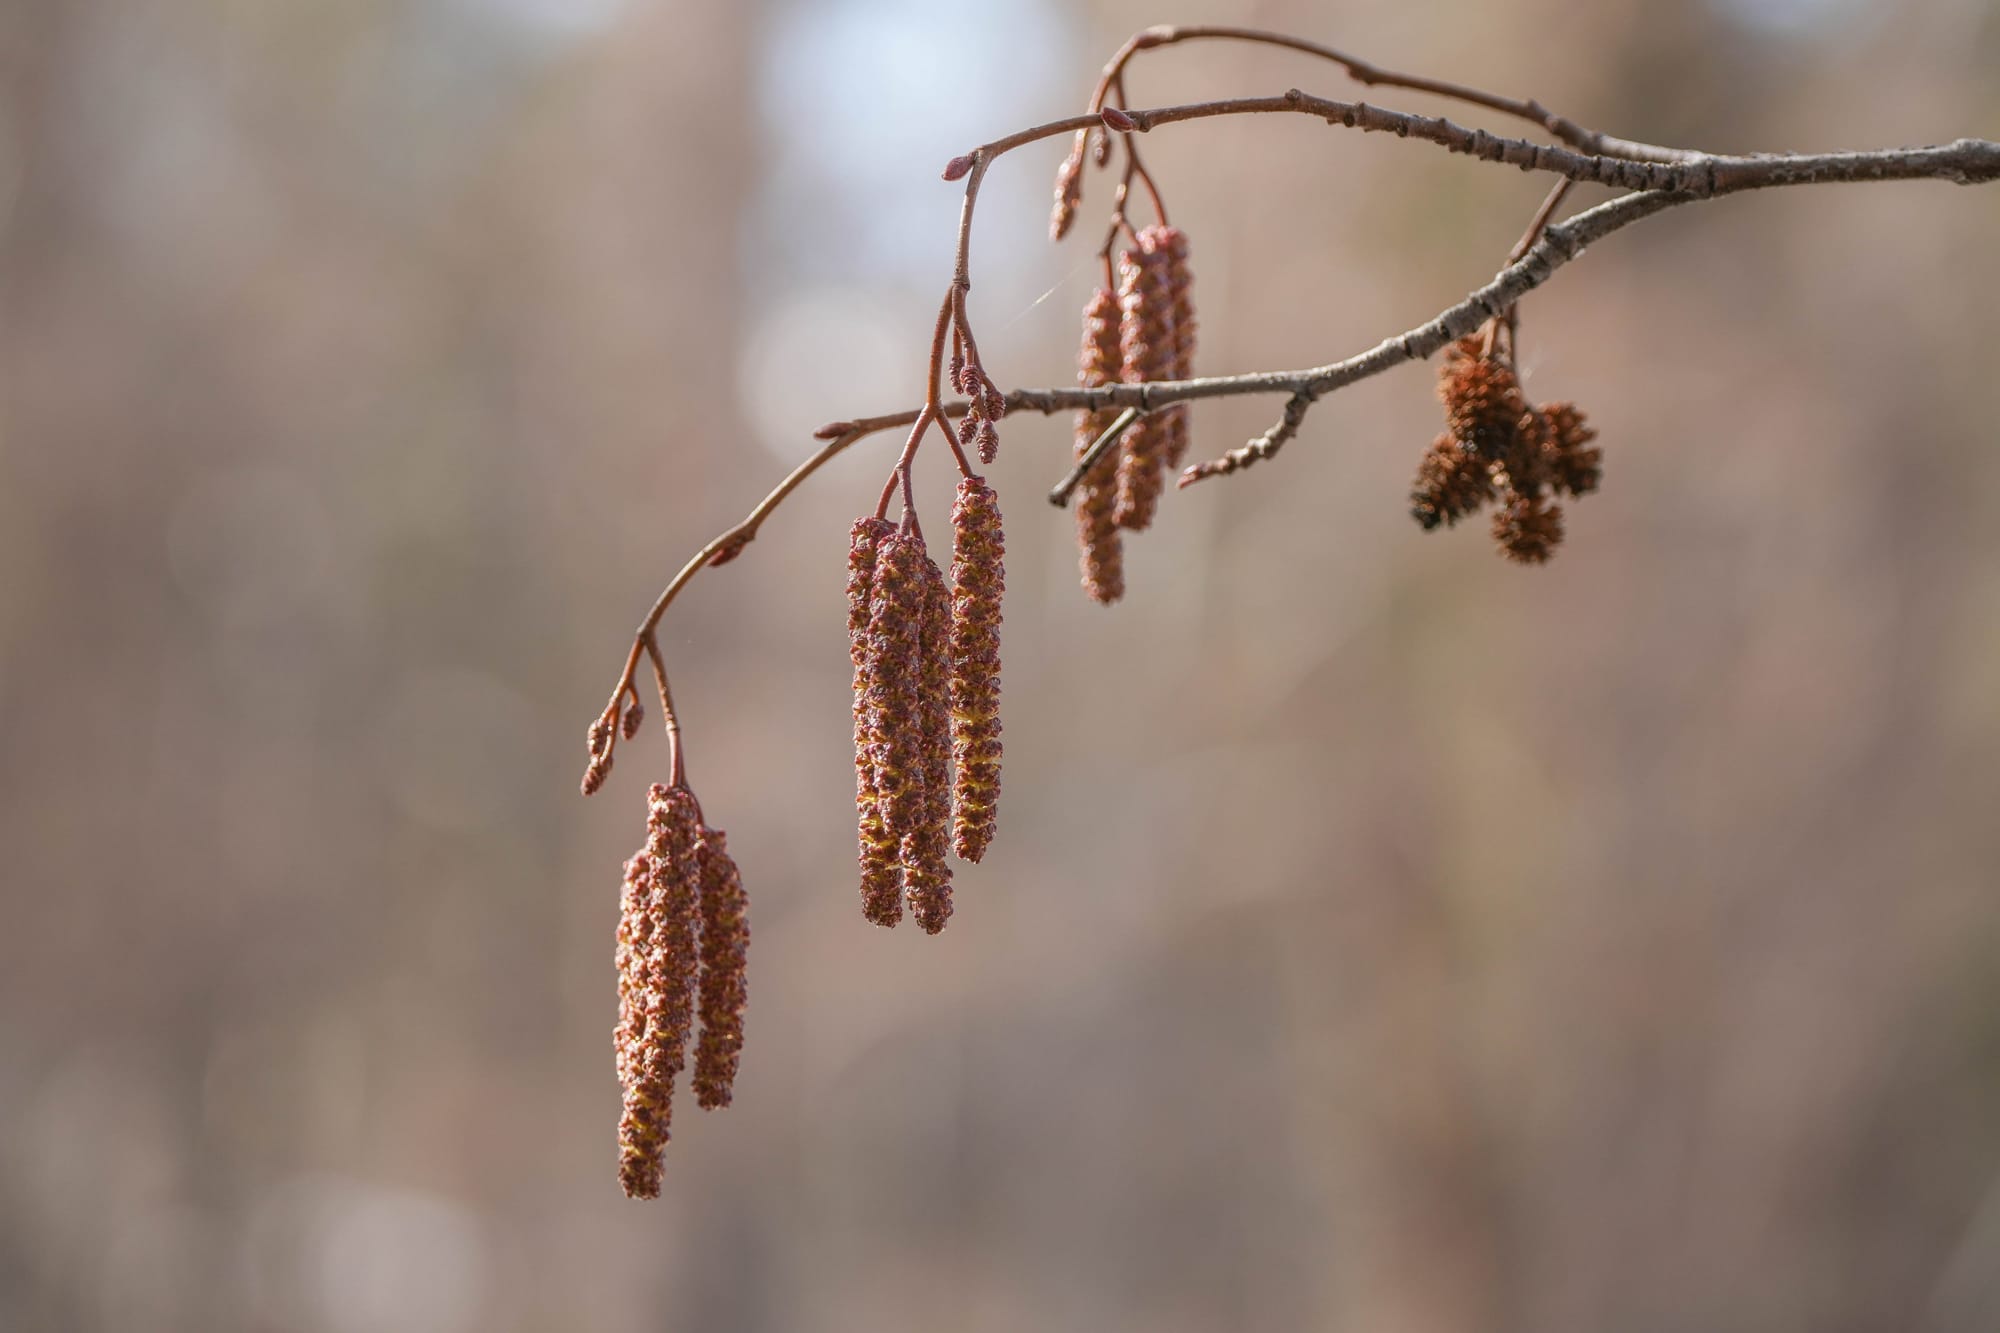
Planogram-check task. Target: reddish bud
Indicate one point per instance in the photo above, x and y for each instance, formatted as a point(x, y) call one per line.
point(957, 168)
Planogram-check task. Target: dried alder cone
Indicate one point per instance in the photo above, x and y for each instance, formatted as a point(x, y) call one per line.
point(1498, 446)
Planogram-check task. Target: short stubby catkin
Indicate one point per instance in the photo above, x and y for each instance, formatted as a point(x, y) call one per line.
point(722, 989)
point(1069, 189)
point(927, 843)
point(879, 857)
point(1101, 549)
point(1146, 347)
point(978, 577)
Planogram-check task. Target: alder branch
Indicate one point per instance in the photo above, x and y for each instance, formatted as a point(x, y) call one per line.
point(926, 655)
point(1965, 161)
point(1663, 177)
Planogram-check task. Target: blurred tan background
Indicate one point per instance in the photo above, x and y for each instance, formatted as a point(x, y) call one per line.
point(1379, 937)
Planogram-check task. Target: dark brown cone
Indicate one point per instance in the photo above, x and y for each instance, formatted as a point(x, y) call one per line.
point(927, 845)
point(1482, 400)
point(1102, 549)
point(635, 718)
point(880, 858)
point(1452, 482)
point(895, 691)
point(722, 989)
point(1146, 347)
point(1575, 466)
point(1525, 466)
point(1173, 243)
point(656, 973)
point(1528, 528)
point(978, 577)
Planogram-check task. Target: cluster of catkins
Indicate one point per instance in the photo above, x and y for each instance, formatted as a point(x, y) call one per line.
point(926, 704)
point(683, 931)
point(1145, 331)
point(1499, 447)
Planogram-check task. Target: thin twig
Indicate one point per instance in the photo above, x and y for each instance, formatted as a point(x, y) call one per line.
point(1365, 72)
point(676, 753)
point(1543, 216)
point(1258, 449)
point(1059, 495)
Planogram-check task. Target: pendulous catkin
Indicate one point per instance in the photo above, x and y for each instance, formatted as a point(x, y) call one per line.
point(656, 974)
point(1173, 243)
point(978, 577)
point(927, 842)
point(895, 730)
point(722, 988)
point(1102, 554)
point(880, 857)
point(1146, 347)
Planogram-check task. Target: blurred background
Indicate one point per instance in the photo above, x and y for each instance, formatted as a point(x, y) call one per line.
point(1379, 936)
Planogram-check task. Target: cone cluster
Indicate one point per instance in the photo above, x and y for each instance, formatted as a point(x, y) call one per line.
point(926, 703)
point(1498, 447)
point(987, 404)
point(683, 932)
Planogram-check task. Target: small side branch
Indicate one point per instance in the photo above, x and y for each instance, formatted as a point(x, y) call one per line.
point(1257, 450)
point(1059, 496)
